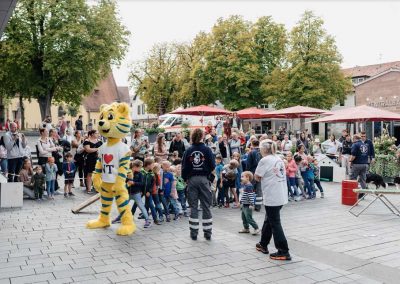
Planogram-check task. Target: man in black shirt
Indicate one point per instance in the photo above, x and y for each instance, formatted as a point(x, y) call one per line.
point(346, 153)
point(197, 165)
point(79, 124)
point(177, 145)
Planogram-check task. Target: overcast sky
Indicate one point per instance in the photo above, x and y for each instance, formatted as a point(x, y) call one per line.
point(366, 32)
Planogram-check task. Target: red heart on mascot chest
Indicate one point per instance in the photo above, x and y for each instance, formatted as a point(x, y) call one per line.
point(108, 158)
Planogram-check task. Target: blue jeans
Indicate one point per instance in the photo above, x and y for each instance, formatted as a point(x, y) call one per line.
point(137, 198)
point(170, 201)
point(318, 183)
point(150, 204)
point(308, 184)
point(182, 199)
point(50, 187)
point(292, 186)
point(157, 203)
point(3, 165)
point(164, 203)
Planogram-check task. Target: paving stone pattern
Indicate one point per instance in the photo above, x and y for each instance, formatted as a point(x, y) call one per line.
point(45, 243)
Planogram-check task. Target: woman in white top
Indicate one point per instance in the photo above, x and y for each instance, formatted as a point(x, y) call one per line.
point(331, 147)
point(272, 174)
point(77, 152)
point(45, 147)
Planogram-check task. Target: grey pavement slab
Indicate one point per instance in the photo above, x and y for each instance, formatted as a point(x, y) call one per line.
point(45, 242)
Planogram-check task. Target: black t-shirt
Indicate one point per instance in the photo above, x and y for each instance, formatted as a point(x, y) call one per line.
point(78, 124)
point(91, 157)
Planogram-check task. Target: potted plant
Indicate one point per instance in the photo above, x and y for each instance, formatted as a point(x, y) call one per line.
point(386, 157)
point(152, 132)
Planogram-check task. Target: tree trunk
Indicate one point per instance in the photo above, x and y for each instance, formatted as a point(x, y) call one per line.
point(45, 105)
point(22, 110)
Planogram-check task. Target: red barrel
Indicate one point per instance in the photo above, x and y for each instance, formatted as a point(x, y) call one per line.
point(349, 197)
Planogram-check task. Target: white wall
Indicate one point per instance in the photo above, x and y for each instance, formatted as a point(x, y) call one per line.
point(136, 115)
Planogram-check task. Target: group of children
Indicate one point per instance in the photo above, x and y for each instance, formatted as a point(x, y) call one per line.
point(163, 189)
point(302, 176)
point(44, 178)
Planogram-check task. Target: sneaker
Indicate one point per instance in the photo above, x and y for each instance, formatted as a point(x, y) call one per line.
point(322, 195)
point(116, 220)
point(177, 217)
point(65, 195)
point(161, 220)
point(186, 214)
point(71, 194)
point(157, 222)
point(280, 256)
point(141, 216)
point(193, 236)
point(244, 231)
point(147, 224)
point(207, 236)
point(57, 192)
point(262, 249)
point(168, 219)
point(256, 232)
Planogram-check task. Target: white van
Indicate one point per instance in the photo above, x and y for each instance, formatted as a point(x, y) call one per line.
point(173, 122)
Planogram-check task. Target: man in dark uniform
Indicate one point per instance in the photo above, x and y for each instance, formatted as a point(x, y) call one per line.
point(197, 166)
point(177, 145)
point(359, 159)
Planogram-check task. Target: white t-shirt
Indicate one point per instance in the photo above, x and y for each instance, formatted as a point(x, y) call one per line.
point(110, 156)
point(272, 171)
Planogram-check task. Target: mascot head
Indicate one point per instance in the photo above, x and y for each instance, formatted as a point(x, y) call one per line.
point(115, 120)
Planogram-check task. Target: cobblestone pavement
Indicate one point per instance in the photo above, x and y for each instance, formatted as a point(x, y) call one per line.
point(45, 243)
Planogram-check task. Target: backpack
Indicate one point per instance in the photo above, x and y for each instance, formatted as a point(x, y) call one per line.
point(180, 184)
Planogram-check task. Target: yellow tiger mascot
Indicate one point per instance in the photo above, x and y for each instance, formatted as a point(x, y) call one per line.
point(112, 168)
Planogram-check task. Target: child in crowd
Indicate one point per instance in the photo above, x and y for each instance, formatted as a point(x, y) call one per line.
point(291, 170)
point(180, 188)
point(174, 196)
point(155, 193)
point(299, 179)
point(51, 175)
point(38, 180)
point(69, 175)
point(135, 183)
point(219, 187)
point(167, 183)
point(316, 178)
point(148, 180)
point(309, 178)
point(236, 156)
point(229, 174)
point(247, 200)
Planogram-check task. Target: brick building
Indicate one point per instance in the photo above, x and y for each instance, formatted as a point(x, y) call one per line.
point(378, 86)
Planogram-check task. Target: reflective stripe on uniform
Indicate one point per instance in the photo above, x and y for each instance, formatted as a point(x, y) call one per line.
point(207, 227)
point(193, 220)
point(194, 227)
point(207, 221)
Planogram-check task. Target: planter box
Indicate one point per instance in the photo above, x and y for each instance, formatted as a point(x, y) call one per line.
point(11, 195)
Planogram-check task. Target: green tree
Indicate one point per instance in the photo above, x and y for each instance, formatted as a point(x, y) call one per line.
point(155, 78)
point(239, 55)
point(59, 50)
point(313, 77)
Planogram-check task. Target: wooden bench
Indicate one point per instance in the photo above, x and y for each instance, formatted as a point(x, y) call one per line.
point(378, 194)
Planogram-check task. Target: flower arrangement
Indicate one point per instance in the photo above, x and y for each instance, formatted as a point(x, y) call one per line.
point(386, 156)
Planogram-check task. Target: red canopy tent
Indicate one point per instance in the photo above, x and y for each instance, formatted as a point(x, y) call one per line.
point(361, 113)
point(297, 112)
point(201, 110)
point(252, 113)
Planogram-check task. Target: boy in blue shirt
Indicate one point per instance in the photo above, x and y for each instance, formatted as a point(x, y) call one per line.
point(219, 166)
point(167, 182)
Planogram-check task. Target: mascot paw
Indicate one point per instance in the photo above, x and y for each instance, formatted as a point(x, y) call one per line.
point(98, 223)
point(126, 230)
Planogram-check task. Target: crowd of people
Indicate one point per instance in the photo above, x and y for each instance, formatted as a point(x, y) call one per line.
point(218, 170)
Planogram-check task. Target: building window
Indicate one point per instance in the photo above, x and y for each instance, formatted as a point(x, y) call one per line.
point(341, 103)
point(143, 109)
point(138, 110)
point(360, 80)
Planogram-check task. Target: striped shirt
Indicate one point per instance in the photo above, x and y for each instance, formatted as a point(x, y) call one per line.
point(247, 194)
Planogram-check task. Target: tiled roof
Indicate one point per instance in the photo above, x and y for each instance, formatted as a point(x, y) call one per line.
point(105, 93)
point(123, 94)
point(370, 70)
